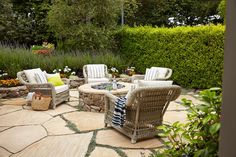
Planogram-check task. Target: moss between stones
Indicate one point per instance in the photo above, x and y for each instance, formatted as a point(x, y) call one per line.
point(92, 144)
point(71, 125)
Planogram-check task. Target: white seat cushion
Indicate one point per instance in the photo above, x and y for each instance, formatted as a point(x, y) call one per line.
point(96, 70)
point(30, 74)
point(61, 88)
point(143, 83)
point(94, 80)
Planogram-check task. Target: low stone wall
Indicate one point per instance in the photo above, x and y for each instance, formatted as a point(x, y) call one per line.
point(74, 83)
point(13, 92)
point(93, 102)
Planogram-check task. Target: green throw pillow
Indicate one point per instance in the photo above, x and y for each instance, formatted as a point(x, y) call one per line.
point(55, 80)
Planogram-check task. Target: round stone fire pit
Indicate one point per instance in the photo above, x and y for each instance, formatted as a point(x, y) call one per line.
point(91, 96)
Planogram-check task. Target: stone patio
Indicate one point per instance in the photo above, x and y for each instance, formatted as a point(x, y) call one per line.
point(68, 131)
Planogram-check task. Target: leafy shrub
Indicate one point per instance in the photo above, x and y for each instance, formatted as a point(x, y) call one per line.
point(200, 136)
point(14, 60)
point(194, 53)
point(83, 25)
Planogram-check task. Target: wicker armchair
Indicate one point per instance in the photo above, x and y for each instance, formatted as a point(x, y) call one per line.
point(45, 89)
point(141, 77)
point(102, 77)
point(145, 108)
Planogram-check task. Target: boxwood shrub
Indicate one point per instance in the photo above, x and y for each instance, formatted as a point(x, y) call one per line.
point(194, 53)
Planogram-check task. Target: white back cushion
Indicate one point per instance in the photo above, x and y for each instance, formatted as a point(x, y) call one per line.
point(30, 74)
point(151, 74)
point(96, 70)
point(40, 77)
point(161, 72)
point(143, 83)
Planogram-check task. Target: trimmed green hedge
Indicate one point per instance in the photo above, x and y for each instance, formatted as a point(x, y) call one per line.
point(194, 53)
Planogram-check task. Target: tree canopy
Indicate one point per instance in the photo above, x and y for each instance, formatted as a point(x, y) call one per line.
point(89, 24)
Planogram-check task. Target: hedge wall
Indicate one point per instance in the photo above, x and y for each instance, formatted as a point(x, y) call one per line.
point(194, 53)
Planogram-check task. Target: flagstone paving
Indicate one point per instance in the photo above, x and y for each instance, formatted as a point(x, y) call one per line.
point(2, 128)
point(82, 119)
point(104, 152)
point(137, 153)
point(9, 108)
point(68, 131)
point(24, 117)
point(4, 153)
point(73, 103)
point(15, 101)
point(116, 139)
point(60, 109)
point(59, 146)
point(57, 126)
point(17, 138)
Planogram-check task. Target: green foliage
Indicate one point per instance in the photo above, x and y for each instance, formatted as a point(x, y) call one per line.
point(15, 60)
point(184, 12)
point(82, 24)
point(200, 136)
point(6, 20)
point(26, 21)
point(222, 9)
point(194, 53)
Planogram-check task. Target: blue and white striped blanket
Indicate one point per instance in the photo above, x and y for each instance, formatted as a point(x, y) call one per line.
point(119, 115)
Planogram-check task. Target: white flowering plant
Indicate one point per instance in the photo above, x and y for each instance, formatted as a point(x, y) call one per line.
point(65, 72)
point(3, 74)
point(114, 72)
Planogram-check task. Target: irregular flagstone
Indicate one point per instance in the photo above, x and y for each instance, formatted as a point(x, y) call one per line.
point(4, 153)
point(103, 152)
point(3, 128)
point(137, 153)
point(15, 101)
point(74, 99)
point(60, 109)
point(8, 109)
point(57, 126)
point(188, 97)
point(74, 93)
point(17, 138)
point(116, 139)
point(86, 120)
point(75, 145)
point(174, 116)
point(73, 103)
point(173, 106)
point(24, 117)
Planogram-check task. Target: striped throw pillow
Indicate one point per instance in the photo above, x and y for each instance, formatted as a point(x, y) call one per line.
point(40, 77)
point(96, 71)
point(151, 74)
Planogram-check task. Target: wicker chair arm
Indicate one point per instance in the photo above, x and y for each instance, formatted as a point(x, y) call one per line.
point(19, 76)
point(137, 77)
point(40, 85)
